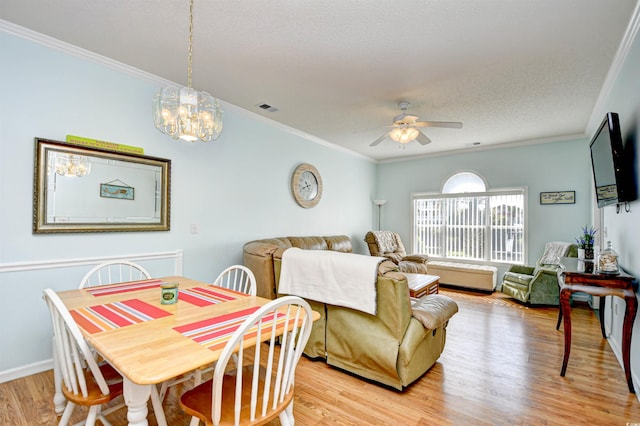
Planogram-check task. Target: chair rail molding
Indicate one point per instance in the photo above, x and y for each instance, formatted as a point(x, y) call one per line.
point(177, 255)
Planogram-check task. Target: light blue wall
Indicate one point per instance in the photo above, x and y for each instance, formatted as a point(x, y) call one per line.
point(558, 166)
point(235, 189)
point(623, 230)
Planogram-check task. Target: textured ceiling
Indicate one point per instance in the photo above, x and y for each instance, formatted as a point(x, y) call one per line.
point(510, 70)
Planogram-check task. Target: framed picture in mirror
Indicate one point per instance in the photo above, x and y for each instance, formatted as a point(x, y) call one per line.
point(77, 188)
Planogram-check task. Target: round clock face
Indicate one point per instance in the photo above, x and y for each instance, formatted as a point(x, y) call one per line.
point(306, 185)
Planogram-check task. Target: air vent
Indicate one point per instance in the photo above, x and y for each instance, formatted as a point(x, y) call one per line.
point(267, 107)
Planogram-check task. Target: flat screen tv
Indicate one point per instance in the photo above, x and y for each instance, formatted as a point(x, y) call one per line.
point(612, 173)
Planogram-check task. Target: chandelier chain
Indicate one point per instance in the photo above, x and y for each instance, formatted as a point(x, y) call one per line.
point(190, 52)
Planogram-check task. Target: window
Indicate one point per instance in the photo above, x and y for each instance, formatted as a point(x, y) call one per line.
point(467, 222)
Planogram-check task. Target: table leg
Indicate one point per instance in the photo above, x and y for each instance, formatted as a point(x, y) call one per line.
point(136, 398)
point(627, 328)
point(601, 307)
point(565, 305)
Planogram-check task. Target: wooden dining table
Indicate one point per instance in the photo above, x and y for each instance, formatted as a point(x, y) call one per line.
point(149, 342)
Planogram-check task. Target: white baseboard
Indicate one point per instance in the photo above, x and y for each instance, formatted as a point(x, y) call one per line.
point(26, 370)
point(616, 347)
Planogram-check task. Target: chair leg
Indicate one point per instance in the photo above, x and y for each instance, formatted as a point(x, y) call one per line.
point(94, 410)
point(156, 402)
point(66, 415)
point(286, 417)
point(197, 377)
point(104, 420)
point(164, 387)
point(58, 398)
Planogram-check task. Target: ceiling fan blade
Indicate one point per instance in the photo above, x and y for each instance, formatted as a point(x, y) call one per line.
point(423, 139)
point(380, 139)
point(447, 124)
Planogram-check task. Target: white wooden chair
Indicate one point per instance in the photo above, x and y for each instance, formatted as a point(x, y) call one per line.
point(238, 278)
point(84, 381)
point(235, 277)
point(260, 391)
point(115, 271)
point(105, 273)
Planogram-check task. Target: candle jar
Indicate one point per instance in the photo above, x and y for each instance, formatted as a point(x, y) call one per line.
point(608, 260)
point(169, 293)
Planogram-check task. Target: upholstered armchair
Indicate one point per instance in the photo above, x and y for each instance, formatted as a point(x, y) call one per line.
point(388, 244)
point(538, 285)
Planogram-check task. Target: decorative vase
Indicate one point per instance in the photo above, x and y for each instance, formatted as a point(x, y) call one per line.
point(588, 253)
point(580, 253)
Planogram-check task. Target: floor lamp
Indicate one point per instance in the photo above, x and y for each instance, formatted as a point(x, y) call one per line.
point(379, 203)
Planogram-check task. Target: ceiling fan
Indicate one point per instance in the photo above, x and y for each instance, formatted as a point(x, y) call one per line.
point(405, 127)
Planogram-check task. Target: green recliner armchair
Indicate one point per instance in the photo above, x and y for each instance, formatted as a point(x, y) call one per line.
point(538, 285)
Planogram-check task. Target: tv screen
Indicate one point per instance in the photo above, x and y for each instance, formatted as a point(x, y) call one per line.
point(612, 183)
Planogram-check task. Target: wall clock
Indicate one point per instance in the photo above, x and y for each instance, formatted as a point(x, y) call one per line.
point(306, 185)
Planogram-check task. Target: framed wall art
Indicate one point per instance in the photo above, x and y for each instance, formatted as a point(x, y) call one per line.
point(558, 197)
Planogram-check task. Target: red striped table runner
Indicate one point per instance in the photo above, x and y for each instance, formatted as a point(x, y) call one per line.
point(109, 316)
point(208, 295)
point(213, 333)
point(105, 290)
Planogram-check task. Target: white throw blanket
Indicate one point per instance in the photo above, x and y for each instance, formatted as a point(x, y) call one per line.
point(341, 279)
point(553, 251)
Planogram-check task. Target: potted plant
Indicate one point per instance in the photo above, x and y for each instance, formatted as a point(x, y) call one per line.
point(585, 242)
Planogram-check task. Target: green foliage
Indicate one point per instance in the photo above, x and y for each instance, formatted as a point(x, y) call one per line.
point(585, 241)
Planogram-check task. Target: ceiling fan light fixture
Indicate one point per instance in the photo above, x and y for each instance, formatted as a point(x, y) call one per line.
point(404, 134)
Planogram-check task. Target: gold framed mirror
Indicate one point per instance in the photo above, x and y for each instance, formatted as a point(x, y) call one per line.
point(78, 188)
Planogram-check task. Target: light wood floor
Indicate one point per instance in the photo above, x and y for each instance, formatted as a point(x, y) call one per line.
point(500, 366)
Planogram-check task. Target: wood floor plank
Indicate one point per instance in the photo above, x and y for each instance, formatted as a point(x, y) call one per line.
point(501, 366)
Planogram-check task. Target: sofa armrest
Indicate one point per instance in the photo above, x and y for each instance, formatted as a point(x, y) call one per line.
point(417, 258)
point(394, 257)
point(521, 269)
point(259, 256)
point(434, 310)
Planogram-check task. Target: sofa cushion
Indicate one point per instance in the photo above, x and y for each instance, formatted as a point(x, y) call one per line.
point(339, 243)
point(309, 243)
point(433, 310)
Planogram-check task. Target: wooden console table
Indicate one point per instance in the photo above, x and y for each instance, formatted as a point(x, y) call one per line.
point(621, 285)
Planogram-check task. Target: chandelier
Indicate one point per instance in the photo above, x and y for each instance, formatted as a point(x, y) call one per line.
point(184, 113)
point(404, 134)
point(72, 165)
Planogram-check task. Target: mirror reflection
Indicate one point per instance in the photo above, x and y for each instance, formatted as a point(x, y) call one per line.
point(82, 189)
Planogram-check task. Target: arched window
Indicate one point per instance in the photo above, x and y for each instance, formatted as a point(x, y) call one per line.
point(464, 182)
point(467, 221)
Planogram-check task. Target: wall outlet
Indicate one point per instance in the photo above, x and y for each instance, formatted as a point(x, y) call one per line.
point(195, 228)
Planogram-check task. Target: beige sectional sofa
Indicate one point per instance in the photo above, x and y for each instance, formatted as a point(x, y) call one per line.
point(395, 347)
